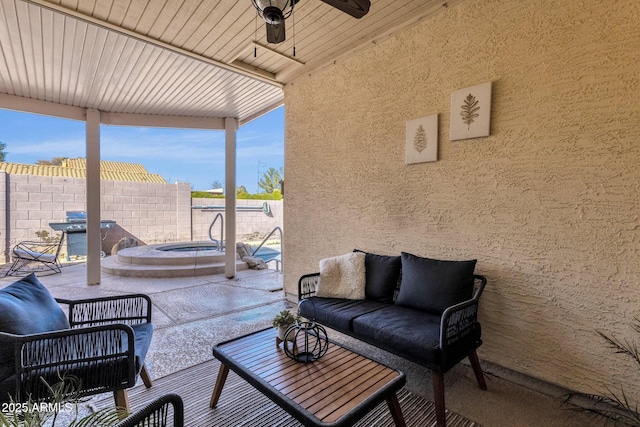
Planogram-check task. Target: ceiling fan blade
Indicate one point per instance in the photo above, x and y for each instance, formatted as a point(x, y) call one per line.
point(355, 8)
point(275, 32)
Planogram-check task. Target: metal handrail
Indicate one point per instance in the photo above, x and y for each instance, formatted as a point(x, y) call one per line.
point(267, 238)
point(221, 242)
point(222, 208)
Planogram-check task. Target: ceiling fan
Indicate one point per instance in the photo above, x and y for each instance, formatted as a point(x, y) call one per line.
point(274, 12)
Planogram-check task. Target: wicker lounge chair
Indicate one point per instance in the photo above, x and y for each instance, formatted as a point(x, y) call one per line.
point(102, 343)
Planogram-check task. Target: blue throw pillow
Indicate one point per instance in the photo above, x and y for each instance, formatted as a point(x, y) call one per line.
point(27, 307)
point(432, 285)
point(382, 276)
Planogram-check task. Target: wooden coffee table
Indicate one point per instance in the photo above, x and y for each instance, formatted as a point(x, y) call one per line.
point(336, 390)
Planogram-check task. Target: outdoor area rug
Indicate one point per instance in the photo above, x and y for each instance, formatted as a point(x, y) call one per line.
point(242, 405)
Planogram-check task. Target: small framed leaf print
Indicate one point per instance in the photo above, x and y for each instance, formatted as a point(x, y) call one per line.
point(471, 112)
point(422, 140)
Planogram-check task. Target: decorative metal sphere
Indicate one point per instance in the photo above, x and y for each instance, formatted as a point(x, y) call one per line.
point(309, 342)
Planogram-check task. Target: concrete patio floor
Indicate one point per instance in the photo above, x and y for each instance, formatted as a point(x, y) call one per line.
point(191, 314)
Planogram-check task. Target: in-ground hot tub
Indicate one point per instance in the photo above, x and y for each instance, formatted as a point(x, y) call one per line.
point(188, 247)
point(182, 259)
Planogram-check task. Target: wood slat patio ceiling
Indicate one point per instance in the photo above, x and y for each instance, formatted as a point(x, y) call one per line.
point(184, 58)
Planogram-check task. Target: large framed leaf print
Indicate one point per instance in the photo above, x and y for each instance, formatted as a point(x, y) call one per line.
point(422, 140)
point(471, 112)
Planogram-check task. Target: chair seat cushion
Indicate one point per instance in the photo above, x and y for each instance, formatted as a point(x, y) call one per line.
point(336, 313)
point(142, 336)
point(27, 307)
point(33, 255)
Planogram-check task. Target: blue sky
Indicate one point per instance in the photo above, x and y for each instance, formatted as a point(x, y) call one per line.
point(183, 155)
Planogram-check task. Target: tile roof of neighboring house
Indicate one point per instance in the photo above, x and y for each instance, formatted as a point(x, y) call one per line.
point(76, 168)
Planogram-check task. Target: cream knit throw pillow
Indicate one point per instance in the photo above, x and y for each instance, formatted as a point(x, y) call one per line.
point(342, 276)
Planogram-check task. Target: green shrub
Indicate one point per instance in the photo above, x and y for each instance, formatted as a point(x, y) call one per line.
point(205, 195)
point(44, 236)
point(276, 195)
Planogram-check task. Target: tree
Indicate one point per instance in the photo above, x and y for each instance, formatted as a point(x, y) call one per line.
point(3, 153)
point(217, 184)
point(240, 190)
point(271, 179)
point(56, 161)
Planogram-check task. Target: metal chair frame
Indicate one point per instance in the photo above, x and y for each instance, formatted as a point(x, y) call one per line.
point(27, 253)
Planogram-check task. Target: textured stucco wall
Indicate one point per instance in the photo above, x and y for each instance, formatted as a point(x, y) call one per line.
point(548, 204)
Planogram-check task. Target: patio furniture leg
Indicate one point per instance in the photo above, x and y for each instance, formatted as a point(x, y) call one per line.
point(396, 411)
point(146, 378)
point(475, 364)
point(438, 397)
point(217, 389)
point(122, 399)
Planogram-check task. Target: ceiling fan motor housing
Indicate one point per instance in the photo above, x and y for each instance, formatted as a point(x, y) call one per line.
point(272, 15)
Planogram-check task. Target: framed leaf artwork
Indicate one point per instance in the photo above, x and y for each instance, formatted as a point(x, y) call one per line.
point(471, 112)
point(422, 140)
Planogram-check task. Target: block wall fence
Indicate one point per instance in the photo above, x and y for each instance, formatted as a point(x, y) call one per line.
point(149, 212)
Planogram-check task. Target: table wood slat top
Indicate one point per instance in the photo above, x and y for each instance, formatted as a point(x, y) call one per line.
point(335, 390)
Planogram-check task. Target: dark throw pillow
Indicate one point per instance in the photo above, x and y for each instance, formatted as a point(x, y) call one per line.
point(27, 307)
point(382, 276)
point(432, 285)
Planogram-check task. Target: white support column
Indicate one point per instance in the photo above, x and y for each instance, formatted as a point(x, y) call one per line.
point(94, 236)
point(231, 126)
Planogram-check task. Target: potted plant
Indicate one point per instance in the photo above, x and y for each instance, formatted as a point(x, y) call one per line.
point(612, 406)
point(282, 321)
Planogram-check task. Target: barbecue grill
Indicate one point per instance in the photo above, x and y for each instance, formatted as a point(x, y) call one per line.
point(75, 226)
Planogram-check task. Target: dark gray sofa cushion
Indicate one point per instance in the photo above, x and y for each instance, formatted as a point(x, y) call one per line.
point(414, 335)
point(405, 331)
point(382, 275)
point(336, 313)
point(433, 285)
point(27, 307)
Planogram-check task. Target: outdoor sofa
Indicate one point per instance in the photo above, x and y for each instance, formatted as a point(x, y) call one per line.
point(421, 309)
